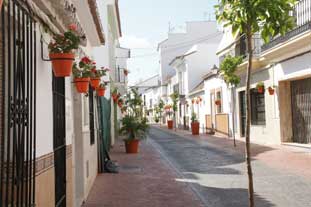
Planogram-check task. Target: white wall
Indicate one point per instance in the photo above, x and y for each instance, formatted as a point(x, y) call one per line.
point(179, 43)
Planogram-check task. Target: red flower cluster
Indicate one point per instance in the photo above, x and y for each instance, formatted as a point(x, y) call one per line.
point(73, 27)
point(86, 60)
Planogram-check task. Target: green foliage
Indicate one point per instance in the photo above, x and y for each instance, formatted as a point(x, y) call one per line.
point(134, 127)
point(269, 17)
point(133, 123)
point(194, 117)
point(161, 105)
point(228, 68)
point(174, 97)
point(64, 43)
point(260, 85)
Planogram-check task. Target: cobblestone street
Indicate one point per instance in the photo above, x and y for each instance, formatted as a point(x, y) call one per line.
point(177, 169)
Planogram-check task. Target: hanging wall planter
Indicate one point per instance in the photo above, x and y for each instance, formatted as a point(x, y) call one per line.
point(61, 51)
point(218, 102)
point(62, 64)
point(1, 2)
point(271, 90)
point(101, 91)
point(82, 84)
point(260, 87)
point(95, 82)
point(126, 72)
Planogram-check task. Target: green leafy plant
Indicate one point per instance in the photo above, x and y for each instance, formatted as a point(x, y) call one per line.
point(260, 85)
point(134, 127)
point(97, 73)
point(269, 18)
point(65, 43)
point(194, 117)
point(228, 68)
point(84, 68)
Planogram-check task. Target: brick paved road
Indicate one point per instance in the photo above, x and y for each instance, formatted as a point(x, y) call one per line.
point(217, 175)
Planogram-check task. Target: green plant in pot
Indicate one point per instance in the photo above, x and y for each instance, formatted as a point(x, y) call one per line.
point(260, 87)
point(133, 124)
point(62, 51)
point(195, 124)
point(82, 73)
point(136, 129)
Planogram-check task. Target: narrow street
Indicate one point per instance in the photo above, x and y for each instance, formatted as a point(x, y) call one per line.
point(216, 171)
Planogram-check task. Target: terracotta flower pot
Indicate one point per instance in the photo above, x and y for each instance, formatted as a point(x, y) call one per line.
point(115, 97)
point(95, 82)
point(101, 92)
point(170, 124)
point(260, 89)
point(218, 102)
point(62, 64)
point(1, 1)
point(82, 84)
point(271, 91)
point(195, 128)
point(131, 146)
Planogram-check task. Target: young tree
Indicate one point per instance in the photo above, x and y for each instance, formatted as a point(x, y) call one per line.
point(174, 97)
point(228, 68)
point(161, 107)
point(267, 17)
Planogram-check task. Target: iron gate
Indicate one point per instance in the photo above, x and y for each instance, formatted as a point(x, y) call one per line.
point(18, 104)
point(59, 134)
point(301, 110)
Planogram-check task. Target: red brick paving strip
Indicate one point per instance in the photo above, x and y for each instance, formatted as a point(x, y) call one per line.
point(145, 180)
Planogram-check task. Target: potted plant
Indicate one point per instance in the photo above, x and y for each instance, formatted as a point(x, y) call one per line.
point(136, 129)
point(195, 125)
point(82, 73)
point(120, 102)
point(271, 90)
point(61, 51)
point(96, 75)
point(126, 72)
point(260, 87)
point(101, 89)
point(1, 1)
point(170, 122)
point(115, 95)
point(218, 102)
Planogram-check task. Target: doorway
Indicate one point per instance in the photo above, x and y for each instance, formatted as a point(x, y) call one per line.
point(59, 140)
point(242, 100)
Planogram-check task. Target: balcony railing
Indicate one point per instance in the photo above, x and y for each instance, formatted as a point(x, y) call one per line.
point(241, 46)
point(302, 14)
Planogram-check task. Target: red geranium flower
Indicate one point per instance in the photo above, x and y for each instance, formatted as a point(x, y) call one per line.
point(73, 27)
point(86, 60)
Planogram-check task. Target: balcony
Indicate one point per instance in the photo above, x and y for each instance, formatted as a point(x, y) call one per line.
point(241, 46)
point(302, 14)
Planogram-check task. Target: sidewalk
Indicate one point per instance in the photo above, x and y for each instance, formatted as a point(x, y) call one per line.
point(282, 157)
point(145, 180)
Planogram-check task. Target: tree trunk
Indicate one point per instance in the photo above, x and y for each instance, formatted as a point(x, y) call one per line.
point(233, 115)
point(248, 120)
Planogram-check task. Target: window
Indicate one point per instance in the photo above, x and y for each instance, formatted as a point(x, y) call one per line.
point(258, 112)
point(219, 98)
point(91, 116)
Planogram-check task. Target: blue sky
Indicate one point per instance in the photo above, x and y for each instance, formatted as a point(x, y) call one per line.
point(145, 24)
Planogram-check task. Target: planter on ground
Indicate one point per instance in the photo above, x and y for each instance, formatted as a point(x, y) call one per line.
point(82, 84)
point(170, 124)
point(62, 64)
point(195, 128)
point(131, 146)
